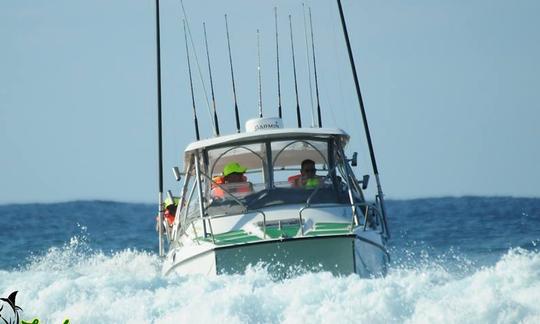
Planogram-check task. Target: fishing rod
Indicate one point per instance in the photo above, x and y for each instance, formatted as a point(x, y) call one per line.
point(160, 141)
point(216, 123)
point(232, 77)
point(259, 71)
point(197, 64)
point(196, 122)
point(319, 118)
point(364, 117)
point(277, 61)
point(308, 66)
point(298, 117)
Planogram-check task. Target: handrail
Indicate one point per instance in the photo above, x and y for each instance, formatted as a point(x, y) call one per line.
point(209, 218)
point(362, 204)
point(300, 141)
point(301, 219)
point(230, 149)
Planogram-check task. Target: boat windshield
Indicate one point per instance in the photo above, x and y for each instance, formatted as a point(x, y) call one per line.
point(276, 173)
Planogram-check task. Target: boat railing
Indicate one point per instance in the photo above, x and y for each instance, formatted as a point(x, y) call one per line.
point(354, 218)
point(209, 218)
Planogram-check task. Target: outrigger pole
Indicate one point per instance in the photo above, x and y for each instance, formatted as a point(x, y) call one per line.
point(160, 142)
point(298, 117)
point(319, 118)
point(308, 66)
point(196, 122)
point(277, 61)
point(259, 72)
point(364, 117)
point(232, 77)
point(216, 123)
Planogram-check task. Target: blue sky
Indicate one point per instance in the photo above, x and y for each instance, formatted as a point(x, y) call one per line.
point(451, 90)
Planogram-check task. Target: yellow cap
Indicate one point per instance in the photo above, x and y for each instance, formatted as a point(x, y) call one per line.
point(233, 167)
point(168, 201)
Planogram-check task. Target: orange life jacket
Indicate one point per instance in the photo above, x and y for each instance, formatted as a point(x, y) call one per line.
point(295, 181)
point(167, 216)
point(241, 187)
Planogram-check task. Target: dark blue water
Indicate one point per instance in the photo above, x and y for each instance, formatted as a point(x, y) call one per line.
point(479, 228)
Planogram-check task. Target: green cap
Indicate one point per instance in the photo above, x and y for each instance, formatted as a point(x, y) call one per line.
point(233, 167)
point(168, 201)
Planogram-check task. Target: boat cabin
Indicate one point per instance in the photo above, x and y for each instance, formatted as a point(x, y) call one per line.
point(268, 165)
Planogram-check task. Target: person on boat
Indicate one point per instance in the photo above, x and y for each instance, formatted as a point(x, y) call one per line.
point(169, 211)
point(307, 178)
point(233, 179)
point(234, 173)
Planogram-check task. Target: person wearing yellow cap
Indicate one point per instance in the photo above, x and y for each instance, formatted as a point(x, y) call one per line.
point(169, 212)
point(234, 173)
point(170, 209)
point(233, 179)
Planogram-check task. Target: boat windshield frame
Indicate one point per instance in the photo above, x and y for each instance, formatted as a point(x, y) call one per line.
point(334, 161)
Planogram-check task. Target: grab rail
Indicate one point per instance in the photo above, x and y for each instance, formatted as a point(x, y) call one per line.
point(354, 218)
point(209, 218)
point(353, 215)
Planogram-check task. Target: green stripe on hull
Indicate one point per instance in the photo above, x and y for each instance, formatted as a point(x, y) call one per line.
point(232, 237)
point(286, 231)
point(332, 226)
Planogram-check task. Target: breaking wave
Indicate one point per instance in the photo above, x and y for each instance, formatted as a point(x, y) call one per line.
point(89, 286)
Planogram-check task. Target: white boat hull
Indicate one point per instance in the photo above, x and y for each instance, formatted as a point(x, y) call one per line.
point(338, 254)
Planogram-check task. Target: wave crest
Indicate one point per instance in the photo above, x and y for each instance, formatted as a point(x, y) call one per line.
point(89, 286)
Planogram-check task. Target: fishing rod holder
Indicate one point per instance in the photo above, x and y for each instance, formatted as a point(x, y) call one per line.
point(364, 181)
point(177, 174)
point(353, 160)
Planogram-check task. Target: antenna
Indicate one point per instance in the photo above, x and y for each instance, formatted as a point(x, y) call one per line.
point(196, 122)
point(298, 117)
point(259, 71)
point(160, 133)
point(308, 66)
point(232, 77)
point(277, 60)
point(216, 123)
point(319, 119)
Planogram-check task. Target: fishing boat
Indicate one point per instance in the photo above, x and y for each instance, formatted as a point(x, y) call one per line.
point(329, 226)
point(295, 203)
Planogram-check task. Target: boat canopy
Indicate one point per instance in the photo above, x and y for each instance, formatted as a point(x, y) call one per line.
point(273, 135)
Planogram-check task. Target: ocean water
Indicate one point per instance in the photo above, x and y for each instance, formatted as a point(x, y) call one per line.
point(454, 260)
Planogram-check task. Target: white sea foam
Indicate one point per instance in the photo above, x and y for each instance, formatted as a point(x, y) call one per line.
point(127, 287)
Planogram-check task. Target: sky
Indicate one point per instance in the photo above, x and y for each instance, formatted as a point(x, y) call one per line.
point(451, 90)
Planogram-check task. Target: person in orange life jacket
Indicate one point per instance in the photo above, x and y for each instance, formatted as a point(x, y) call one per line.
point(233, 173)
point(307, 178)
point(170, 211)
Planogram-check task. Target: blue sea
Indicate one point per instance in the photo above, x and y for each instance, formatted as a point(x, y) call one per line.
point(454, 260)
